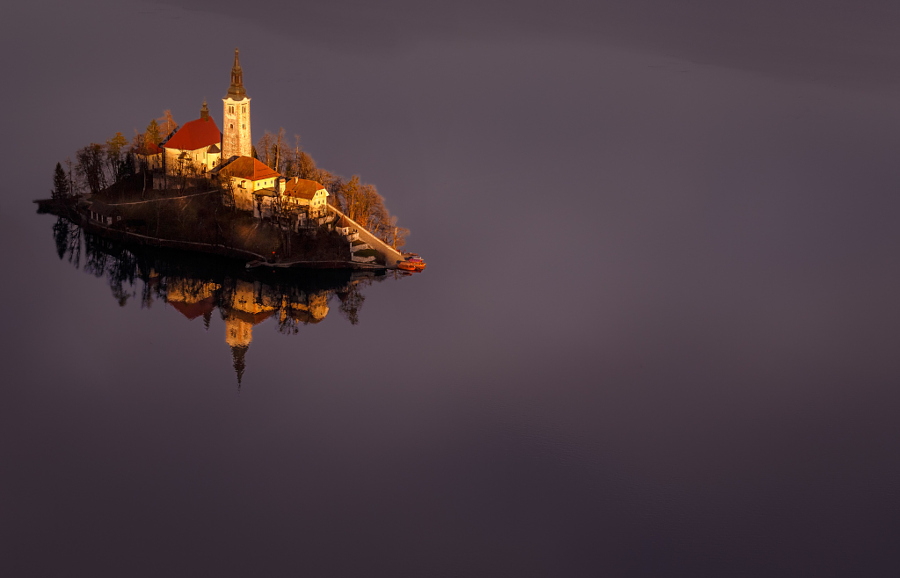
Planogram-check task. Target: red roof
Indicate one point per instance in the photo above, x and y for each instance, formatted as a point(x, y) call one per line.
point(148, 149)
point(194, 310)
point(302, 188)
point(248, 168)
point(195, 135)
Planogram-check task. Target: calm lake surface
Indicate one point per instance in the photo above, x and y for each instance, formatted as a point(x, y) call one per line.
point(658, 333)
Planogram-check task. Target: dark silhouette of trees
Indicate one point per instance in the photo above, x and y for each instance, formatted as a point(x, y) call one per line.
point(61, 236)
point(114, 155)
point(351, 302)
point(91, 160)
point(60, 184)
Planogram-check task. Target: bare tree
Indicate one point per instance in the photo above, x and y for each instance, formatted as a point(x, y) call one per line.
point(73, 185)
point(264, 148)
point(166, 123)
point(114, 151)
point(278, 146)
point(90, 166)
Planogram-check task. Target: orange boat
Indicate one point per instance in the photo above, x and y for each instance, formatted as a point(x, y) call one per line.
point(417, 262)
point(406, 266)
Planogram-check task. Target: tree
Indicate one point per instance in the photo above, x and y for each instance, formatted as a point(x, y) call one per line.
point(73, 186)
point(142, 166)
point(114, 148)
point(185, 171)
point(60, 184)
point(351, 302)
point(152, 136)
point(226, 185)
point(61, 236)
point(284, 215)
point(306, 166)
point(278, 147)
point(167, 123)
point(127, 166)
point(90, 166)
point(264, 147)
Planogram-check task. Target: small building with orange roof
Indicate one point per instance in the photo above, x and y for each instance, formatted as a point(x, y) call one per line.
point(305, 193)
point(251, 181)
point(149, 155)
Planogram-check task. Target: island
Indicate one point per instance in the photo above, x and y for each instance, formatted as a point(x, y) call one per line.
point(196, 188)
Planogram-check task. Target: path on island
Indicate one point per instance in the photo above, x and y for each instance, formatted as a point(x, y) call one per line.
point(391, 255)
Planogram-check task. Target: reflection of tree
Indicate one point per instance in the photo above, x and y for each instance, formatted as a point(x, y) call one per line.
point(61, 234)
point(351, 301)
point(196, 286)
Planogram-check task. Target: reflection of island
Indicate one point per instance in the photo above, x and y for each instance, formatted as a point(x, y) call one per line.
point(198, 286)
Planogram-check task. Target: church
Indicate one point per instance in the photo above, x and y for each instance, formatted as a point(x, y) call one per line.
point(200, 148)
point(201, 145)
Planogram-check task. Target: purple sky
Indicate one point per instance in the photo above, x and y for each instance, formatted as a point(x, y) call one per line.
point(657, 334)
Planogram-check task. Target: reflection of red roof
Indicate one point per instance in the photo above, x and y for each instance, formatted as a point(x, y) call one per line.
point(195, 135)
point(302, 188)
point(194, 310)
point(248, 168)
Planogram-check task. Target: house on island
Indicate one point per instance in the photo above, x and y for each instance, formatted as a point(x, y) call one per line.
point(309, 196)
point(252, 182)
point(150, 155)
point(194, 147)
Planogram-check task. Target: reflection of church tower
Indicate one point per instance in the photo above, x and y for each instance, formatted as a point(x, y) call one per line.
point(237, 356)
point(236, 125)
point(238, 334)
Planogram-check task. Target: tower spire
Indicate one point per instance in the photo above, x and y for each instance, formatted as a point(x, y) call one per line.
point(236, 90)
point(237, 356)
point(204, 111)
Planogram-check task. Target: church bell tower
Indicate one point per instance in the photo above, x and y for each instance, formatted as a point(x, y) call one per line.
point(236, 126)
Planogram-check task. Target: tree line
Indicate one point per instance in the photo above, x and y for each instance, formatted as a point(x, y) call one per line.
point(99, 165)
point(358, 200)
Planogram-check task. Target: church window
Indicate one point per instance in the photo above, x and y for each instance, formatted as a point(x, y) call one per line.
point(230, 110)
point(243, 126)
point(230, 126)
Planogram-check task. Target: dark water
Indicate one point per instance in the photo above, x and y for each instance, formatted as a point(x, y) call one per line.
point(657, 335)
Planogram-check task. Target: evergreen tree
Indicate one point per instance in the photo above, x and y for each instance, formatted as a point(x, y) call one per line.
point(126, 168)
point(60, 183)
point(152, 133)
